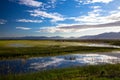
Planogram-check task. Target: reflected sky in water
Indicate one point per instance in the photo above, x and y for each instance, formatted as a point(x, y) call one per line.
point(46, 63)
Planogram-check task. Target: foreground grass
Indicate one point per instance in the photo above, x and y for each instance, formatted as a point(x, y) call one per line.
point(96, 72)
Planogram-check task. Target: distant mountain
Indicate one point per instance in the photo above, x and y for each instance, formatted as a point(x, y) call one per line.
point(111, 35)
point(33, 37)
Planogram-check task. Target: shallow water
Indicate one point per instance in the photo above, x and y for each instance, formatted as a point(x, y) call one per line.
point(99, 45)
point(18, 45)
point(78, 44)
point(46, 63)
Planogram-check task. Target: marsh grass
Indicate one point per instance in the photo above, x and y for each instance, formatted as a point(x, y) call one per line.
point(10, 52)
point(49, 47)
point(96, 72)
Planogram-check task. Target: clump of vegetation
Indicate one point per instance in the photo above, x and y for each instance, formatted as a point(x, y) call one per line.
point(70, 58)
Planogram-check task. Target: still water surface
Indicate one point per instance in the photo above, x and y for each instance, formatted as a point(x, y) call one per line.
point(46, 63)
point(74, 44)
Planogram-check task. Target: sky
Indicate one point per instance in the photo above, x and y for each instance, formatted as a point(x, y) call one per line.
point(66, 18)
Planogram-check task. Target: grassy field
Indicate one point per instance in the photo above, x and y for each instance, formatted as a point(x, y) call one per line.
point(96, 72)
point(48, 48)
point(39, 43)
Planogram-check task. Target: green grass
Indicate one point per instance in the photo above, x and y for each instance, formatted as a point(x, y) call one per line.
point(96, 72)
point(48, 51)
point(39, 43)
point(46, 48)
point(112, 42)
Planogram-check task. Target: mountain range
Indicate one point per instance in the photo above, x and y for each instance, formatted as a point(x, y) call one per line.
point(111, 35)
point(32, 37)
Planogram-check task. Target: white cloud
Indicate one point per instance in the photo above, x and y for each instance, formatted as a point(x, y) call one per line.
point(55, 29)
point(53, 16)
point(2, 21)
point(91, 18)
point(95, 7)
point(72, 28)
point(119, 7)
point(29, 21)
point(48, 29)
point(53, 3)
point(62, 28)
point(37, 3)
point(58, 28)
point(102, 1)
point(32, 3)
point(23, 28)
point(95, 17)
point(93, 1)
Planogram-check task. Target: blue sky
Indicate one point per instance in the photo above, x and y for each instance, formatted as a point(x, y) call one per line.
point(58, 17)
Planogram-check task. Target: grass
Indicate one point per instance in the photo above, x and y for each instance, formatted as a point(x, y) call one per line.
point(48, 51)
point(111, 42)
point(96, 72)
point(38, 43)
point(46, 48)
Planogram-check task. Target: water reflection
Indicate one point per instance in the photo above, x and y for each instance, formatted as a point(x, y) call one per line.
point(99, 45)
point(43, 63)
point(75, 44)
point(18, 45)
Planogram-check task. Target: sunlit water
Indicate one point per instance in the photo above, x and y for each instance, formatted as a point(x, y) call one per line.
point(46, 63)
point(99, 45)
point(77, 44)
